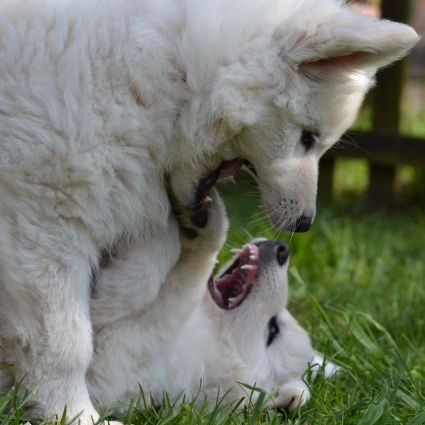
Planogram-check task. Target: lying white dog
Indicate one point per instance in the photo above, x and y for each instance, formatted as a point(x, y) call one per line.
point(194, 342)
point(100, 99)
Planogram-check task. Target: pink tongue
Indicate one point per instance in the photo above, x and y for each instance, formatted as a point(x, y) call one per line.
point(230, 168)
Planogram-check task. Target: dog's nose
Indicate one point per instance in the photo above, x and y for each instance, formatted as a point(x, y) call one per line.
point(303, 223)
point(282, 252)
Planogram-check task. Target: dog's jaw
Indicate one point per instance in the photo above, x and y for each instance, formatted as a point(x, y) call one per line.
point(232, 286)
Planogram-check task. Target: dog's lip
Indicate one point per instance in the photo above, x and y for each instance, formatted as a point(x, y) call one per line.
point(226, 169)
point(231, 167)
point(232, 286)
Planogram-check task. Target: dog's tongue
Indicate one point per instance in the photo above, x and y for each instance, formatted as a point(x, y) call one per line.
point(230, 168)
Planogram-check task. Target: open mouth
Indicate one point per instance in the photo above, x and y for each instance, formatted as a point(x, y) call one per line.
point(233, 285)
point(231, 168)
point(225, 169)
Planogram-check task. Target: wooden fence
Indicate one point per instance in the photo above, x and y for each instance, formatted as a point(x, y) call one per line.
point(384, 147)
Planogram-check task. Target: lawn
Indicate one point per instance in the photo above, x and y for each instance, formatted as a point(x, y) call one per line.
point(358, 285)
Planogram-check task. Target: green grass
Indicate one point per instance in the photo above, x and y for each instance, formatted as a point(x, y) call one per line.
point(358, 285)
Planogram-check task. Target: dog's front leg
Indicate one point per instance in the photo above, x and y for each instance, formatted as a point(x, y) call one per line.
point(203, 230)
point(145, 336)
point(44, 316)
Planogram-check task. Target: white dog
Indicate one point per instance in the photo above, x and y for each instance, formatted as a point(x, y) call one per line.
point(190, 340)
point(99, 99)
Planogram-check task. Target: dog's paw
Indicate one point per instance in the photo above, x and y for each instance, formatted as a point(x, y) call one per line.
point(90, 421)
point(204, 225)
point(319, 365)
point(290, 396)
point(85, 420)
point(98, 422)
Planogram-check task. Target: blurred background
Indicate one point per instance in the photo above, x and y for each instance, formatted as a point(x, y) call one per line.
point(390, 151)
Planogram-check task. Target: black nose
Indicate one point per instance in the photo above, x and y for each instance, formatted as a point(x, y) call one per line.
point(303, 223)
point(282, 252)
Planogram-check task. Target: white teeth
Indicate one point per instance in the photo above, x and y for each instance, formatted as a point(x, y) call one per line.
point(252, 257)
point(247, 267)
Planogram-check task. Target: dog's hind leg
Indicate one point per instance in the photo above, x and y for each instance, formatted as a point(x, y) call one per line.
point(44, 317)
point(133, 279)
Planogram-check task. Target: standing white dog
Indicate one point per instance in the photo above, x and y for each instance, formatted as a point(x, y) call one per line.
point(198, 343)
point(99, 99)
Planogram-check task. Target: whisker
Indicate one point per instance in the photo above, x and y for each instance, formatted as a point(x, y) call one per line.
point(351, 142)
point(281, 224)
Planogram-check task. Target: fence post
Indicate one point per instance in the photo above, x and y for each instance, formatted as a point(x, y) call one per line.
point(326, 179)
point(387, 108)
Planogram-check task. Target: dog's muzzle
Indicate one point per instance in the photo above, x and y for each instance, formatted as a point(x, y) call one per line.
point(232, 286)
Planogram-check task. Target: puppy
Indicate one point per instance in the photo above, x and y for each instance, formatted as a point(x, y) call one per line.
point(100, 99)
point(198, 337)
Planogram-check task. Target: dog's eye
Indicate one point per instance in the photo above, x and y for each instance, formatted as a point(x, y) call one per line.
point(308, 139)
point(273, 330)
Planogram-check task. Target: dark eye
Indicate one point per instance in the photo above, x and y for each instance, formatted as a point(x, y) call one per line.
point(273, 330)
point(308, 139)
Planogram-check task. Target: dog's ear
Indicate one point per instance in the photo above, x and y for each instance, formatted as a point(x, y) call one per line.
point(343, 39)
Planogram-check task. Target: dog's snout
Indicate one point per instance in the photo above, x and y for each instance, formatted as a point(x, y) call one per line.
point(282, 252)
point(303, 223)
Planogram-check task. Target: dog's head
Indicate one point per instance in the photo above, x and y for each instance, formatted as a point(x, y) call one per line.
point(254, 324)
point(276, 83)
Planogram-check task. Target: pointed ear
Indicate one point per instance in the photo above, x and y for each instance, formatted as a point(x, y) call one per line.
point(345, 39)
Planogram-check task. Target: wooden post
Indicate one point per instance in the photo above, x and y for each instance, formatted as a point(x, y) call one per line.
point(387, 108)
point(326, 180)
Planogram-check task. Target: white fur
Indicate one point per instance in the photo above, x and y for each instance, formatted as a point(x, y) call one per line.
point(99, 99)
point(183, 343)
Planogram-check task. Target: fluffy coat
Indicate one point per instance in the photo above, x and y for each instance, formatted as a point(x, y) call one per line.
point(184, 343)
point(100, 99)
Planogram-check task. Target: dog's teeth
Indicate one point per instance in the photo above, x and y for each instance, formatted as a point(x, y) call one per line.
point(252, 257)
point(247, 267)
